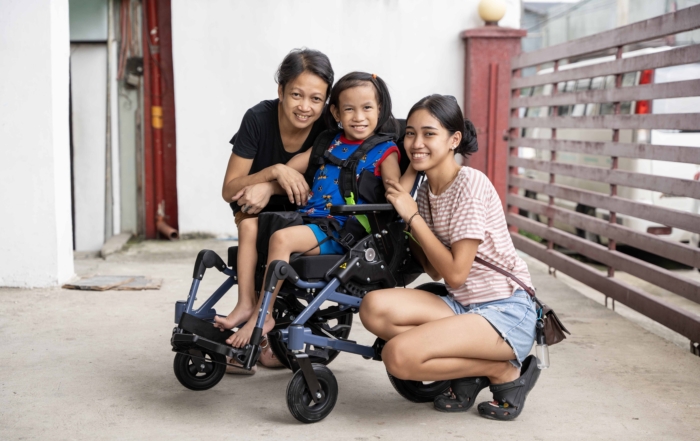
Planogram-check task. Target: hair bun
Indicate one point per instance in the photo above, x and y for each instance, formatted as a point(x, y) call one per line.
point(469, 143)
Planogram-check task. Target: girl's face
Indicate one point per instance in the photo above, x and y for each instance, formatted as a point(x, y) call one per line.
point(302, 100)
point(358, 111)
point(427, 142)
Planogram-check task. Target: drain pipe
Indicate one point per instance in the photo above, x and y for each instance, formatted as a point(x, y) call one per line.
point(157, 121)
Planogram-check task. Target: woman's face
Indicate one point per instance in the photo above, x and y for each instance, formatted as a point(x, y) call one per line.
point(427, 142)
point(302, 100)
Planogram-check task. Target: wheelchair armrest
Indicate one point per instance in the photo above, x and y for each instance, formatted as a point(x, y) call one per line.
point(361, 209)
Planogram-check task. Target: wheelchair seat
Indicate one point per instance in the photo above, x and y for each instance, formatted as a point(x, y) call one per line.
point(311, 268)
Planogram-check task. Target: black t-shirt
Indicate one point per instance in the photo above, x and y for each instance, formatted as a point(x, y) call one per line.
point(259, 139)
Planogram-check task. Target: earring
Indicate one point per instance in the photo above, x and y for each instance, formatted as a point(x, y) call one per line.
point(340, 125)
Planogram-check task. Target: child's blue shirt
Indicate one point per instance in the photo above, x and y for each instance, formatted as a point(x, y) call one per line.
point(325, 190)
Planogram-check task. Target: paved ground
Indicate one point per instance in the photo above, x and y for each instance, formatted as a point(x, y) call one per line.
point(97, 365)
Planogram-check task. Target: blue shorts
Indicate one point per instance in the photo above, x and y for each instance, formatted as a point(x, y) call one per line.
point(513, 318)
point(330, 246)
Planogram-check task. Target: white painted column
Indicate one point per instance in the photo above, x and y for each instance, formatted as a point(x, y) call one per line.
point(35, 190)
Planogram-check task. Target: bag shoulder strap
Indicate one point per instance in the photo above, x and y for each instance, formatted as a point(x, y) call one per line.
point(527, 289)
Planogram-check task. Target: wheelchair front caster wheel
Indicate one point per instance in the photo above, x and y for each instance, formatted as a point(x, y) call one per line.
point(199, 370)
point(299, 401)
point(419, 391)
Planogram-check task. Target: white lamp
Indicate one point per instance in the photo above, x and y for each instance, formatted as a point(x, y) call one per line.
point(491, 11)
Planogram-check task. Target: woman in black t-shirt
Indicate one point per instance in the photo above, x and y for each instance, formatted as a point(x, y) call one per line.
point(271, 133)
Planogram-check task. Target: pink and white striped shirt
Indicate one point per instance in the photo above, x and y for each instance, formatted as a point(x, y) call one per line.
point(471, 209)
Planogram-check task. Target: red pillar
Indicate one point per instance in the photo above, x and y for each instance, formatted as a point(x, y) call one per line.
point(488, 51)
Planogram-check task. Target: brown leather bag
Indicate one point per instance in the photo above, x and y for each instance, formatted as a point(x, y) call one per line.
point(554, 329)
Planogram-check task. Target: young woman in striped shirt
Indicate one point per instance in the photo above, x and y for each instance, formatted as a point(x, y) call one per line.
point(481, 332)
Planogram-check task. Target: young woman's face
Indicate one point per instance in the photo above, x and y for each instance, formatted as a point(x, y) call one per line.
point(427, 143)
point(358, 111)
point(302, 99)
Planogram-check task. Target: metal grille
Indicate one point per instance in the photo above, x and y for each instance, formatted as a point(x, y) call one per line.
point(559, 114)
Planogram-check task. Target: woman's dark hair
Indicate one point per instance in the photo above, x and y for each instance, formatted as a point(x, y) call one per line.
point(299, 61)
point(385, 123)
point(446, 110)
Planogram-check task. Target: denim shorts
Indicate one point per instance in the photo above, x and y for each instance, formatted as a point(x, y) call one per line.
point(513, 318)
point(330, 246)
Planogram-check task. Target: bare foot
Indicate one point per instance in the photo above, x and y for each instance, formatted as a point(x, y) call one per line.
point(241, 313)
point(242, 336)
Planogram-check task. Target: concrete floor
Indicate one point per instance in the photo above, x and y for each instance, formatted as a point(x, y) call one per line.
point(98, 365)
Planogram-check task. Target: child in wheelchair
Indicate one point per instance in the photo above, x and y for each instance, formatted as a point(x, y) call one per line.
point(343, 165)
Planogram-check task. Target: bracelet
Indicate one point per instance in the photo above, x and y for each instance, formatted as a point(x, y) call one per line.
point(408, 224)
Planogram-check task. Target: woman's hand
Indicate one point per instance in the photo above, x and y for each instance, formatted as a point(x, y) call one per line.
point(401, 200)
point(254, 198)
point(293, 183)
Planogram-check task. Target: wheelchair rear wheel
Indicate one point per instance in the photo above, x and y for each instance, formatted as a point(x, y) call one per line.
point(199, 370)
point(419, 391)
point(329, 322)
point(299, 401)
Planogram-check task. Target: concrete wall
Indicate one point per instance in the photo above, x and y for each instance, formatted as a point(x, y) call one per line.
point(35, 225)
point(225, 60)
point(89, 101)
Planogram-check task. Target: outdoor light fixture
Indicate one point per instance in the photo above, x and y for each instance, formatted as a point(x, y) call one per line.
point(491, 11)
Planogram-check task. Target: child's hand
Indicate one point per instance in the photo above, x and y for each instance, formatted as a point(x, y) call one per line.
point(400, 199)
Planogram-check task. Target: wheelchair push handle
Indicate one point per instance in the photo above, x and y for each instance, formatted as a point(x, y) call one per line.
point(207, 259)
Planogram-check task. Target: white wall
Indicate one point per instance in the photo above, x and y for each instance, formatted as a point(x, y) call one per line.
point(226, 53)
point(35, 203)
point(89, 100)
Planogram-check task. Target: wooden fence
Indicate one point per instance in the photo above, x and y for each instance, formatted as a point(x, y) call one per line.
point(539, 207)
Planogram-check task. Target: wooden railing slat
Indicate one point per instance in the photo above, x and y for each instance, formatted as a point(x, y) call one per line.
point(663, 216)
point(676, 89)
point(684, 322)
point(690, 155)
point(667, 121)
point(679, 252)
point(673, 57)
point(680, 21)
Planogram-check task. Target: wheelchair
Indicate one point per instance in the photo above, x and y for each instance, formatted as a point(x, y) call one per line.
point(306, 337)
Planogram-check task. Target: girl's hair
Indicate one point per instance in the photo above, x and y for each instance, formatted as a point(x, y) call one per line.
point(385, 123)
point(446, 110)
point(302, 60)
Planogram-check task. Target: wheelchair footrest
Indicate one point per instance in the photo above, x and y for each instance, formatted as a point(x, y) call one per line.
point(183, 342)
point(203, 328)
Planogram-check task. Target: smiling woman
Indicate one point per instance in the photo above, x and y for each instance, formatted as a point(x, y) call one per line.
point(272, 133)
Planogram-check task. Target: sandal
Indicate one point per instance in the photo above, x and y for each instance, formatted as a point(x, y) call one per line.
point(509, 398)
point(233, 367)
point(267, 356)
point(461, 395)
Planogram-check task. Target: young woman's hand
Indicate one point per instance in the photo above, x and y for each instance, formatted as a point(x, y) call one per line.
point(254, 198)
point(293, 183)
point(400, 199)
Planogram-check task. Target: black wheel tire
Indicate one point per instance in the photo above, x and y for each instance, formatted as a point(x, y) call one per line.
point(299, 401)
point(418, 391)
point(279, 348)
point(192, 376)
